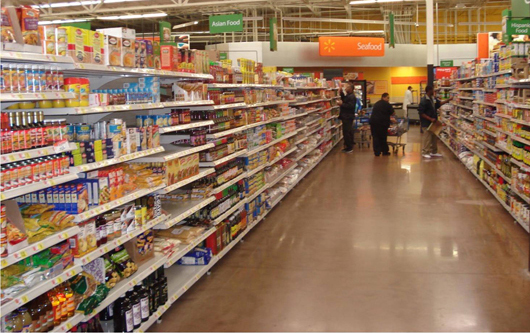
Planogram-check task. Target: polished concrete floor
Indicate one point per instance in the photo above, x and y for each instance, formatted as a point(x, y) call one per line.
point(371, 244)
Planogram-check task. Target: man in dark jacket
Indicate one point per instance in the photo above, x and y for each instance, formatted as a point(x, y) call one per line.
point(348, 103)
point(428, 110)
point(379, 124)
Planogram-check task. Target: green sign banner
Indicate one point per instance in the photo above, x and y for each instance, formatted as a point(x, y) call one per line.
point(446, 63)
point(288, 70)
point(392, 42)
point(273, 34)
point(226, 23)
point(518, 27)
point(223, 56)
point(521, 8)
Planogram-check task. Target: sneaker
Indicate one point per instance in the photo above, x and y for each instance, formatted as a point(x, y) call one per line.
point(349, 151)
point(386, 154)
point(426, 155)
point(436, 155)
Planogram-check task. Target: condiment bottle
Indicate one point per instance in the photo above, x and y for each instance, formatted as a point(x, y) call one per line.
point(143, 295)
point(26, 319)
point(70, 303)
point(56, 304)
point(136, 307)
point(34, 312)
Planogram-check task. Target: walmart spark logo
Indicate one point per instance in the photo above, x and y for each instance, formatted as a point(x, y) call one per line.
point(329, 46)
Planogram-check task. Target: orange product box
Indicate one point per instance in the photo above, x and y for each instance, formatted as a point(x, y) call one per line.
point(169, 57)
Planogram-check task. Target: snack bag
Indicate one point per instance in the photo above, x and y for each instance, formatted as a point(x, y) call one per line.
point(29, 24)
point(6, 28)
point(124, 265)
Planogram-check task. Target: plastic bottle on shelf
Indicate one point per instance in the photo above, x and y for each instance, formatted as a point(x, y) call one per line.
point(56, 304)
point(70, 302)
point(34, 312)
point(48, 310)
point(26, 319)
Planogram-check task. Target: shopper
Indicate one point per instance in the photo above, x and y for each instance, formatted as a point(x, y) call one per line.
point(379, 124)
point(347, 103)
point(407, 100)
point(428, 110)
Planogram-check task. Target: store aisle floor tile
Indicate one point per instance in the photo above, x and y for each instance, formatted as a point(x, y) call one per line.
point(371, 244)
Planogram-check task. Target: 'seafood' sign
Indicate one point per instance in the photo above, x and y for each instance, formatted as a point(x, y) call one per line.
point(351, 47)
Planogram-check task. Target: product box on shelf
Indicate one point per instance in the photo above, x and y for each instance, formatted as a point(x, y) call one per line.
point(97, 40)
point(76, 39)
point(169, 57)
point(127, 53)
point(141, 248)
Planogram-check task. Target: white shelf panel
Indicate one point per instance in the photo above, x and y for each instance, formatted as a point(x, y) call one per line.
point(21, 97)
point(519, 121)
point(464, 97)
point(313, 111)
point(485, 118)
point(294, 116)
point(227, 132)
point(463, 106)
point(183, 104)
point(116, 71)
point(222, 160)
point(183, 127)
point(40, 289)
point(39, 246)
point(242, 85)
point(229, 106)
point(185, 248)
point(229, 183)
point(485, 103)
point(112, 161)
point(502, 115)
point(172, 152)
point(313, 122)
point(307, 102)
point(33, 153)
point(229, 212)
point(283, 101)
point(34, 57)
point(16, 192)
point(519, 139)
point(101, 109)
point(116, 203)
point(202, 173)
point(508, 71)
point(315, 130)
point(489, 132)
point(105, 248)
point(179, 211)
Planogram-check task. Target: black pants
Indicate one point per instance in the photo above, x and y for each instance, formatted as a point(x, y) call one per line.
point(379, 135)
point(347, 132)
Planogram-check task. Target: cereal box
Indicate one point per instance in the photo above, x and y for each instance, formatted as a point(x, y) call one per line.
point(98, 47)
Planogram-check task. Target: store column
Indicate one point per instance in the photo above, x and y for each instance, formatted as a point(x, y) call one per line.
point(430, 40)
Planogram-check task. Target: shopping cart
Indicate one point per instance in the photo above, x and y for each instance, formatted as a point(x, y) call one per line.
point(397, 130)
point(361, 130)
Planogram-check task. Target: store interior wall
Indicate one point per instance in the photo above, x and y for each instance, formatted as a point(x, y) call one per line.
point(292, 54)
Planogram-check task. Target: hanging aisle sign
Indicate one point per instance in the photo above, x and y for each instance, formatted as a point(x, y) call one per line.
point(446, 63)
point(226, 23)
point(273, 34)
point(392, 42)
point(351, 46)
point(518, 27)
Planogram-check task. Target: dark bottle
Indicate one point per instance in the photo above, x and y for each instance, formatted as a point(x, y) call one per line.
point(143, 295)
point(156, 290)
point(163, 287)
point(32, 128)
point(101, 230)
point(149, 286)
point(137, 312)
point(106, 317)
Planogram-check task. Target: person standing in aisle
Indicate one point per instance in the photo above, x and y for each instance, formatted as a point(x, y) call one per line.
point(407, 100)
point(379, 124)
point(428, 110)
point(348, 103)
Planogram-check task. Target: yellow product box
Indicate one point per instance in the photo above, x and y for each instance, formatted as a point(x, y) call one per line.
point(89, 48)
point(98, 47)
point(75, 42)
point(172, 171)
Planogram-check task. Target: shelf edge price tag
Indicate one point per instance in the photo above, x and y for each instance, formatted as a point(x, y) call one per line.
point(61, 146)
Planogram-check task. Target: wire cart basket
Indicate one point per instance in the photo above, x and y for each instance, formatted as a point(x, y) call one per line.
point(361, 131)
point(397, 130)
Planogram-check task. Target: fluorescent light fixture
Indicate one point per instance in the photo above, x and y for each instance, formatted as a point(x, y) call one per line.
point(128, 17)
point(65, 21)
point(339, 20)
point(366, 2)
point(256, 18)
point(178, 26)
point(78, 3)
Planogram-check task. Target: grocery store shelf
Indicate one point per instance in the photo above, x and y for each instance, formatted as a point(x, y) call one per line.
point(228, 132)
point(229, 106)
point(508, 71)
point(464, 89)
point(313, 121)
point(33, 153)
point(294, 116)
point(22, 57)
point(185, 248)
point(229, 183)
point(39, 289)
point(466, 78)
point(521, 195)
point(180, 210)
point(463, 106)
point(520, 121)
point(172, 152)
point(463, 97)
point(485, 118)
point(242, 85)
point(183, 127)
point(258, 192)
point(485, 103)
point(270, 144)
point(112, 161)
point(202, 173)
point(519, 139)
point(285, 173)
point(500, 101)
point(101, 109)
point(283, 101)
point(489, 132)
point(16, 192)
point(504, 149)
point(315, 130)
point(229, 212)
point(313, 111)
point(307, 102)
point(105, 248)
point(21, 97)
point(222, 160)
point(502, 115)
point(494, 168)
point(519, 106)
point(39, 246)
point(144, 270)
point(115, 203)
point(282, 156)
point(520, 164)
point(256, 170)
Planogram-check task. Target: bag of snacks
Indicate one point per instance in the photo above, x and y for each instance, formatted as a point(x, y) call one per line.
point(6, 28)
point(111, 275)
point(124, 265)
point(88, 293)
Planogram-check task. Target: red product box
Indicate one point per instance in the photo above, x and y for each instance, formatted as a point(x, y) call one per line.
point(169, 57)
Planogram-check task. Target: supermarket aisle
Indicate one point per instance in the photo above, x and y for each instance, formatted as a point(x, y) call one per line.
point(371, 244)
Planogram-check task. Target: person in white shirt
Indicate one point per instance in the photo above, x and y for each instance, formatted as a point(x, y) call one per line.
point(407, 100)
